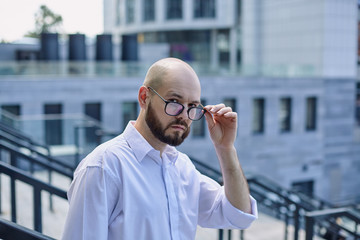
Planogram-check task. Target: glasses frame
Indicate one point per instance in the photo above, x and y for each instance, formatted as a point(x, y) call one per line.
point(183, 107)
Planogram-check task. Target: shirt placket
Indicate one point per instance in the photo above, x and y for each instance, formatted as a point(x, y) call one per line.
point(167, 168)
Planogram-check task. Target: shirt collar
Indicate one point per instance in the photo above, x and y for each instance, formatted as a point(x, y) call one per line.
point(142, 148)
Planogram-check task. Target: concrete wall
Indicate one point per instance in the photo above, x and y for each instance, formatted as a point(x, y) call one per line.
point(326, 156)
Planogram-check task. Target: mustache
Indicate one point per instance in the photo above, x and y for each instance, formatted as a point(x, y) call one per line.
point(178, 122)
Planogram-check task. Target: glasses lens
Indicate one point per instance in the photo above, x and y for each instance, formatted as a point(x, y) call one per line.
point(173, 108)
point(196, 113)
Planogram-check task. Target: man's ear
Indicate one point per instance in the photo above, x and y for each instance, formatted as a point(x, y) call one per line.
point(143, 96)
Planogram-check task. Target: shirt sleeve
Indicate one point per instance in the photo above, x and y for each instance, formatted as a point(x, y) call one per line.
point(215, 211)
point(92, 196)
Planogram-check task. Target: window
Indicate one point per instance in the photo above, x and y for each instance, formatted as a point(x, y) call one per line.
point(92, 110)
point(117, 13)
point(149, 10)
point(306, 187)
point(285, 114)
point(223, 45)
point(238, 11)
point(53, 124)
point(198, 127)
point(230, 102)
point(174, 9)
point(204, 8)
point(130, 11)
point(258, 115)
point(9, 114)
point(129, 112)
point(357, 105)
point(311, 113)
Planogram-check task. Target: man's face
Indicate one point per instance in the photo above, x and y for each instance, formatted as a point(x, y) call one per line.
point(166, 134)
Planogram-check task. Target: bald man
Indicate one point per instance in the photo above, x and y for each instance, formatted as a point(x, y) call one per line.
point(138, 186)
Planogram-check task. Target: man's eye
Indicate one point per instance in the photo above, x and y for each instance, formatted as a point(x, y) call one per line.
point(173, 100)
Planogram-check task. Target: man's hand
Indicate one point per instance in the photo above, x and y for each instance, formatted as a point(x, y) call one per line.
point(222, 125)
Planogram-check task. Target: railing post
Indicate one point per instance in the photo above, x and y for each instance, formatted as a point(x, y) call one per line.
point(13, 162)
point(0, 192)
point(37, 210)
point(51, 206)
point(242, 234)
point(13, 199)
point(221, 234)
point(296, 223)
point(0, 181)
point(309, 227)
point(286, 226)
point(229, 234)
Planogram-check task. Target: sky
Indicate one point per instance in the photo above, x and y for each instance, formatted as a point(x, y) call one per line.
point(83, 16)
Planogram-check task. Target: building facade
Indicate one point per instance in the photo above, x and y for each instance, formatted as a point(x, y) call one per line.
point(295, 93)
point(200, 30)
point(299, 132)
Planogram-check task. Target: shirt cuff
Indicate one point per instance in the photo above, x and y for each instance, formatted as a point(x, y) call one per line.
point(238, 218)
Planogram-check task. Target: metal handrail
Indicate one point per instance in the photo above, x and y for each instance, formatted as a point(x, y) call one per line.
point(38, 186)
point(33, 150)
point(21, 136)
point(51, 166)
point(10, 231)
point(295, 204)
point(312, 218)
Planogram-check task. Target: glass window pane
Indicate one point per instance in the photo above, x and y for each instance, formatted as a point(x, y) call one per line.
point(92, 110)
point(130, 11)
point(311, 113)
point(129, 112)
point(174, 9)
point(149, 10)
point(285, 114)
point(204, 8)
point(258, 115)
point(117, 13)
point(230, 102)
point(10, 114)
point(306, 187)
point(53, 124)
point(357, 106)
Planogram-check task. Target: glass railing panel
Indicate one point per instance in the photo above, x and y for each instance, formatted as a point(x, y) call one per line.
point(131, 69)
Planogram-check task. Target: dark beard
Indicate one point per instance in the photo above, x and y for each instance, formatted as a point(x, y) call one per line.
point(155, 126)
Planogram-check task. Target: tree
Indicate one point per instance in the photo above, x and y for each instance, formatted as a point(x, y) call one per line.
point(46, 21)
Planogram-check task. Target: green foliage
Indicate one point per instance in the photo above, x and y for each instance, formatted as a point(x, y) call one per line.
point(46, 21)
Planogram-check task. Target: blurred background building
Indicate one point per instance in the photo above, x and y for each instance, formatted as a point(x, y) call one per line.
point(289, 68)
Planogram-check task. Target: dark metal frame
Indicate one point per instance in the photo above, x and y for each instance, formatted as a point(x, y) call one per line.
point(10, 231)
point(295, 208)
point(316, 218)
point(38, 186)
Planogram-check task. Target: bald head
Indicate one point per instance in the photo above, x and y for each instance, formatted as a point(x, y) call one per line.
point(165, 69)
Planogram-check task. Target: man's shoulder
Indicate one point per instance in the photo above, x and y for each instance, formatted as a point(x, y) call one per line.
point(106, 154)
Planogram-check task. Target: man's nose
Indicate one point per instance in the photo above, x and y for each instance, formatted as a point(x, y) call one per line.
point(184, 113)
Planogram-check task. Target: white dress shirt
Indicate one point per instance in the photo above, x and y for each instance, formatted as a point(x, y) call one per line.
point(125, 190)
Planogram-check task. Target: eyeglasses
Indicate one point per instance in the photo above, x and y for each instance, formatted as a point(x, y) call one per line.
point(175, 108)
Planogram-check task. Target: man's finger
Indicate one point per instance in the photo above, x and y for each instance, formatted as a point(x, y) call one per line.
point(214, 108)
point(223, 111)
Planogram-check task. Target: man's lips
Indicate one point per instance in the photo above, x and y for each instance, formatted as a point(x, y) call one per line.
point(178, 127)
